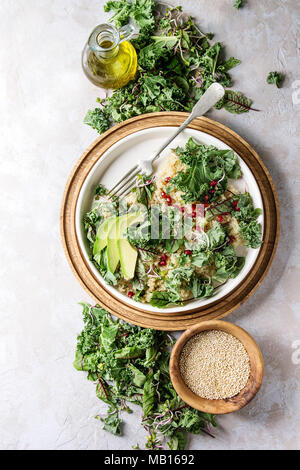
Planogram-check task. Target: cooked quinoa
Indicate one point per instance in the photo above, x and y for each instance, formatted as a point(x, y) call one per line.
point(193, 264)
point(215, 365)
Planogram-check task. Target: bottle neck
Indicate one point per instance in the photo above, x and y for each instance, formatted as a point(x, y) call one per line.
point(104, 41)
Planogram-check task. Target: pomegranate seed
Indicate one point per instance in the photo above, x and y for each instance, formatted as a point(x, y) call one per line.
point(163, 194)
point(162, 263)
point(194, 214)
point(187, 252)
point(182, 209)
point(167, 179)
point(231, 239)
point(194, 207)
point(148, 181)
point(213, 183)
point(164, 257)
point(206, 197)
point(235, 203)
point(169, 200)
point(130, 294)
point(220, 218)
point(236, 208)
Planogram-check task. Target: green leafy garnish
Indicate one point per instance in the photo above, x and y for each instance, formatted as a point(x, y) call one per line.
point(162, 299)
point(201, 288)
point(216, 236)
point(235, 102)
point(131, 364)
point(205, 164)
point(228, 264)
point(176, 65)
point(251, 233)
point(276, 78)
point(97, 119)
point(239, 3)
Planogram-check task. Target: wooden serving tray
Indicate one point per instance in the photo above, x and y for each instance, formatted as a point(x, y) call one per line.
point(180, 320)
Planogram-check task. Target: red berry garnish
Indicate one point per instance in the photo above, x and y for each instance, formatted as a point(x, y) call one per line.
point(162, 263)
point(169, 200)
point(194, 214)
point(167, 179)
point(163, 194)
point(130, 294)
point(206, 197)
point(212, 191)
point(194, 207)
point(220, 218)
point(231, 239)
point(182, 209)
point(187, 252)
point(164, 257)
point(213, 183)
point(148, 181)
point(235, 203)
point(236, 208)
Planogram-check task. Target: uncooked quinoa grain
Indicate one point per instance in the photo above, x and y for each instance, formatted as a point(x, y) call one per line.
point(214, 365)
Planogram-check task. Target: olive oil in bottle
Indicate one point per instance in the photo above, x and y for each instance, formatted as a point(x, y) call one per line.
point(108, 59)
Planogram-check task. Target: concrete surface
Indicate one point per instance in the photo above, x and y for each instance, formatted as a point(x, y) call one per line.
point(45, 404)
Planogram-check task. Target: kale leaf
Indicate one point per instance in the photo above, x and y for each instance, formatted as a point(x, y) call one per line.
point(228, 264)
point(162, 299)
point(97, 120)
point(176, 65)
point(216, 236)
point(251, 233)
point(201, 288)
point(275, 77)
point(205, 163)
point(239, 3)
point(130, 364)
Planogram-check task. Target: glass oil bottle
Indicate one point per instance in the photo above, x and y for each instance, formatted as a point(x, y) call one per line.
point(109, 60)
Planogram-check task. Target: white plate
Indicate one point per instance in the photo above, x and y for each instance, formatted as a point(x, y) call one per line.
point(123, 155)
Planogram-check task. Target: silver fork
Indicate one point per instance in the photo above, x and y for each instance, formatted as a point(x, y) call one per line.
point(212, 95)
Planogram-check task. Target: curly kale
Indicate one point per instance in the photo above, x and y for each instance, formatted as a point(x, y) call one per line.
point(97, 120)
point(205, 164)
point(176, 65)
point(276, 78)
point(131, 364)
point(239, 4)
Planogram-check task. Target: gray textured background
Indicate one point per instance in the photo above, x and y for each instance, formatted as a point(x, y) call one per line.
point(45, 404)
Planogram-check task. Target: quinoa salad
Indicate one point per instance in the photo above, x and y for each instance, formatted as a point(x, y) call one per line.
point(184, 232)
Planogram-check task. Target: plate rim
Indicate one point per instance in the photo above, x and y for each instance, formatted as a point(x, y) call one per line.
point(86, 278)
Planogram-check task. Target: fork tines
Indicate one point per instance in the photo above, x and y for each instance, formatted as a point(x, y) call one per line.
point(124, 186)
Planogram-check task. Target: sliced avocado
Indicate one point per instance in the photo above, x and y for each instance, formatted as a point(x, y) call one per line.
point(128, 256)
point(127, 253)
point(101, 238)
point(113, 257)
point(116, 239)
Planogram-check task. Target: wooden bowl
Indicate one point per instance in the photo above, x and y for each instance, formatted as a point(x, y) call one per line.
point(227, 405)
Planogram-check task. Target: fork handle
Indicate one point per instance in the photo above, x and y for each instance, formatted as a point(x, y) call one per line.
point(212, 95)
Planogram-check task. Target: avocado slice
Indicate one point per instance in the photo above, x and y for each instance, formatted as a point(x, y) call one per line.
point(127, 253)
point(101, 238)
point(117, 245)
point(113, 257)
